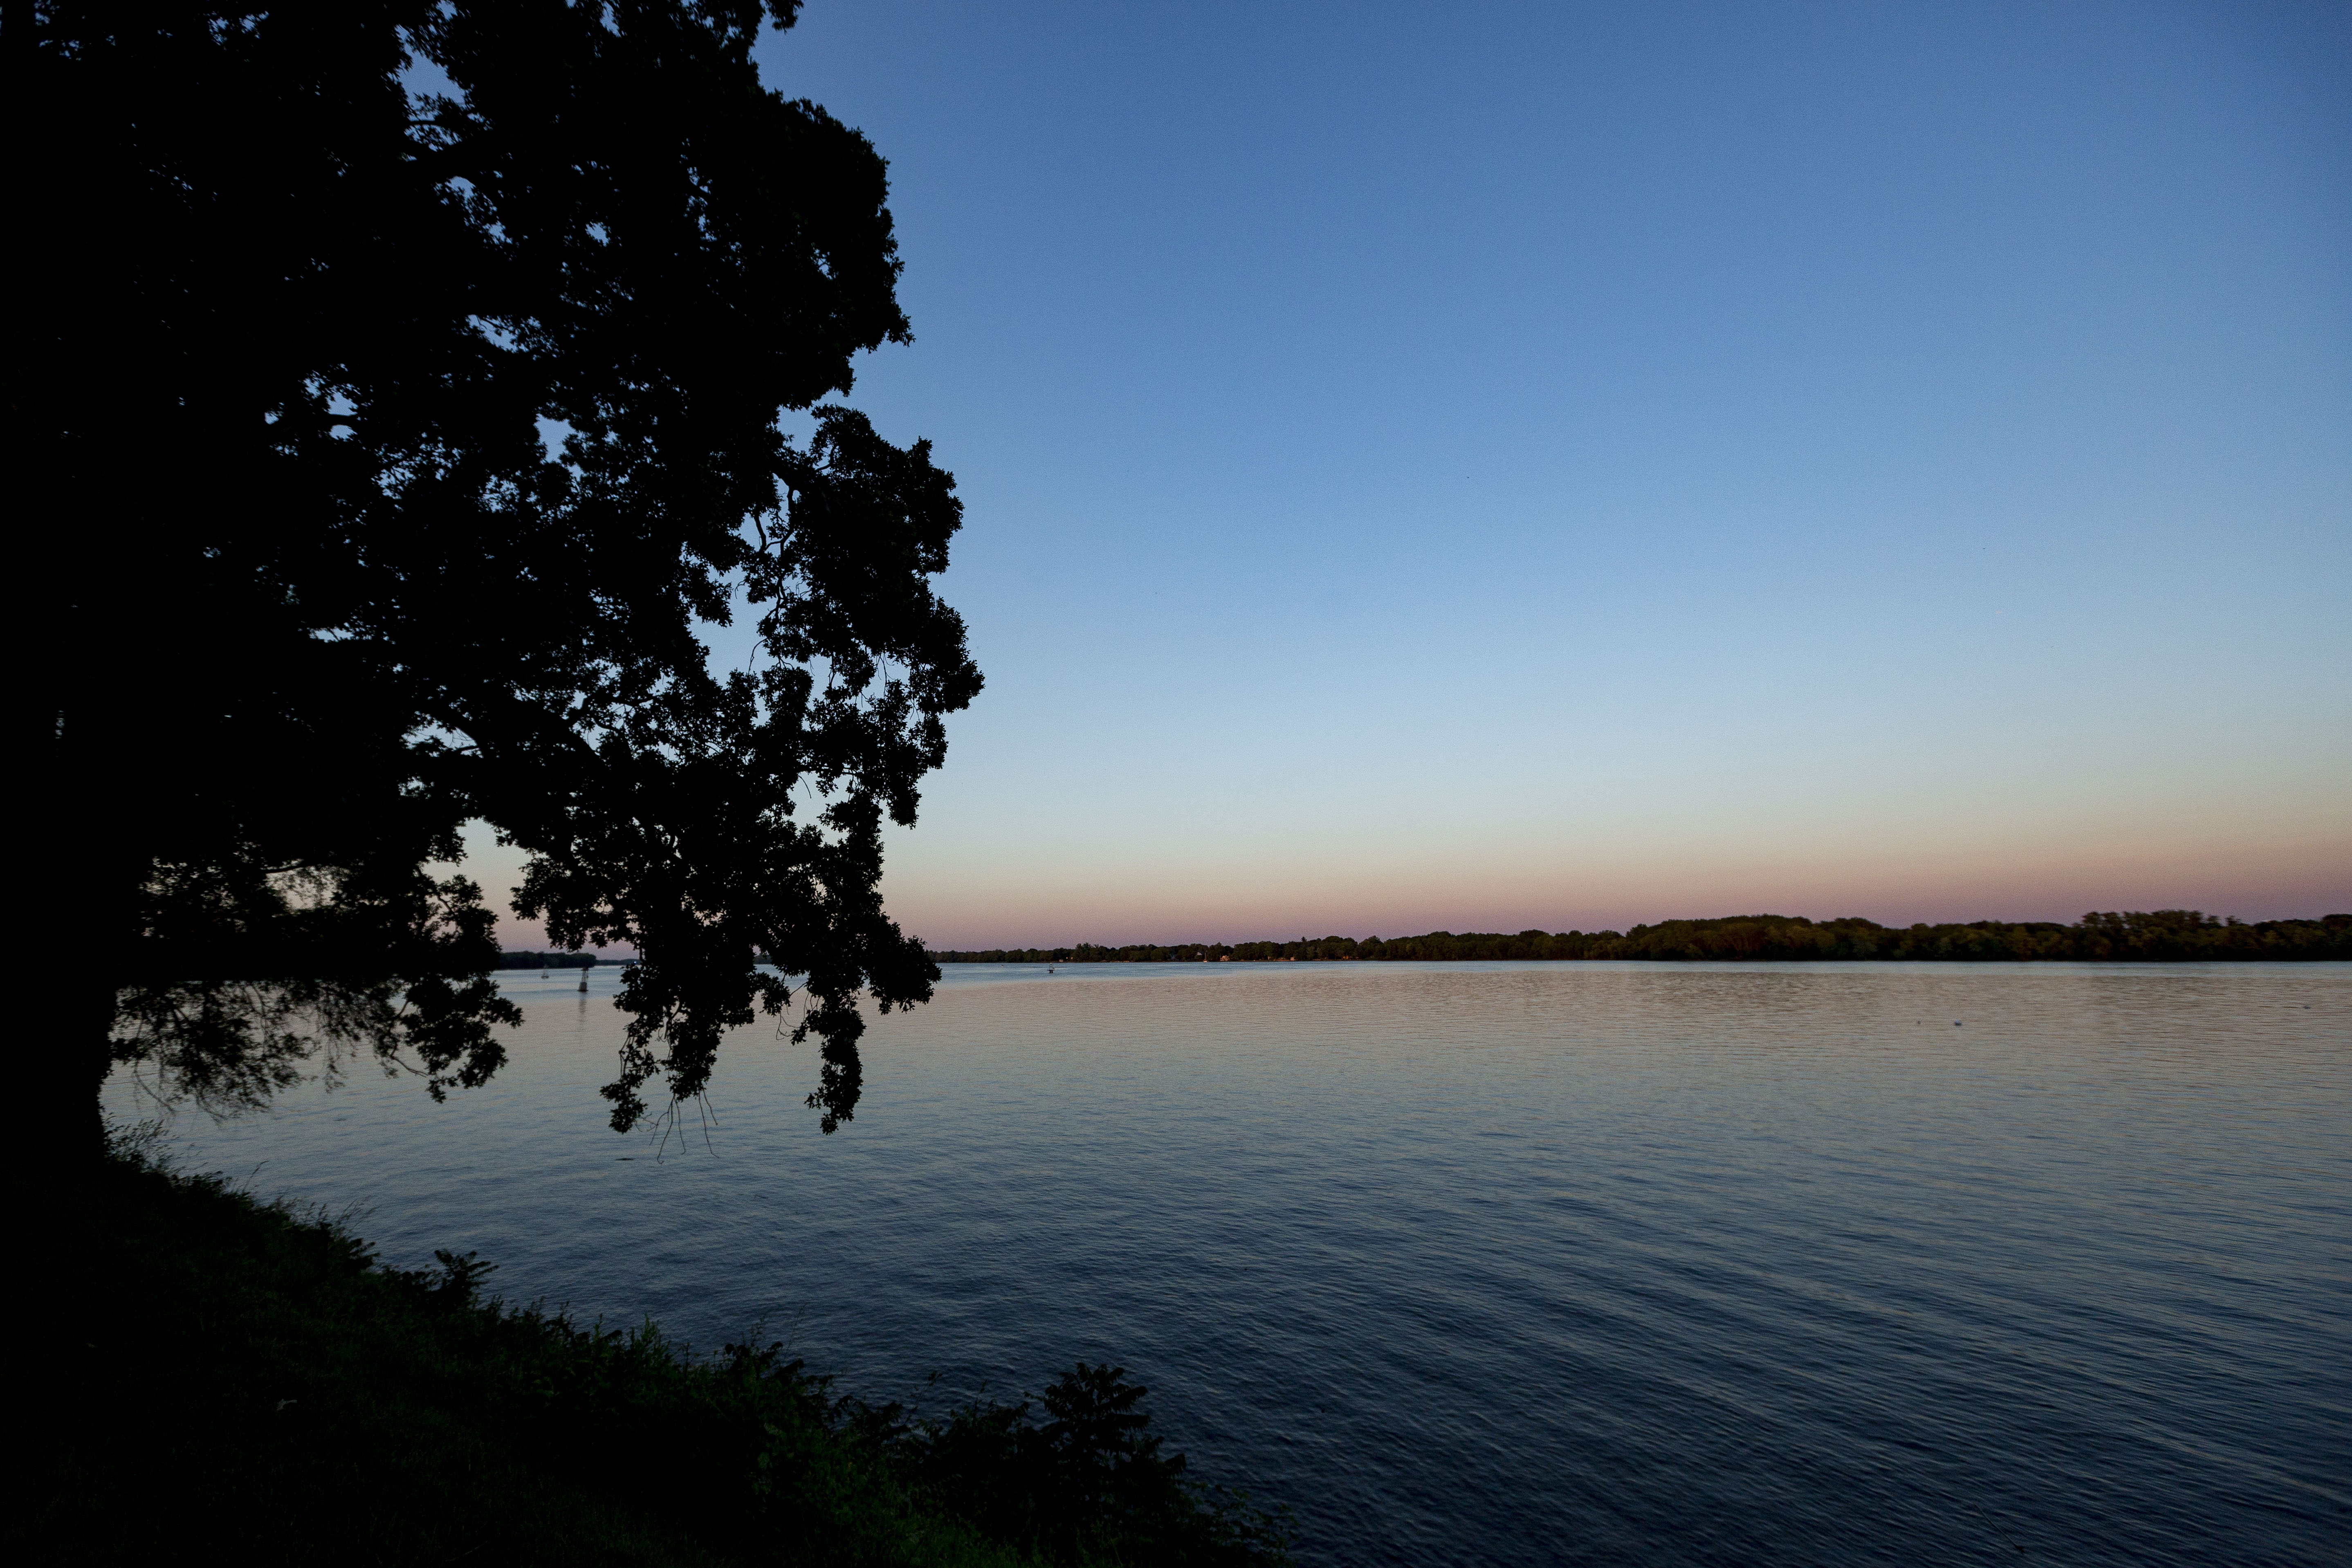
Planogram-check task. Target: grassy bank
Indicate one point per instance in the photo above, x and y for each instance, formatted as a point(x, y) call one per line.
point(222, 1377)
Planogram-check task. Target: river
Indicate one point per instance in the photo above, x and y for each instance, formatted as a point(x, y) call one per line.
point(1499, 1263)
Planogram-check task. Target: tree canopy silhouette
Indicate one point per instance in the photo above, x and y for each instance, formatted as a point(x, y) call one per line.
point(395, 388)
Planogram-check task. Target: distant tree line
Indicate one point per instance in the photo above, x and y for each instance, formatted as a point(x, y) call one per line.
point(2143, 936)
point(547, 960)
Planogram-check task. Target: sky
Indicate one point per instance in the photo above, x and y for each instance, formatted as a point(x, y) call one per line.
point(1478, 467)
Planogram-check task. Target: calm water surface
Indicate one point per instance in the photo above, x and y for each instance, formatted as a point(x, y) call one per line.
point(1823, 1264)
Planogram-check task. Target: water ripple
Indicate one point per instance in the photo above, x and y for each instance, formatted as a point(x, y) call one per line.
point(1481, 1264)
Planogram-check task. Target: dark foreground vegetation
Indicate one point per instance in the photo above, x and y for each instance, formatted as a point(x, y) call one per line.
point(2161, 936)
point(232, 1381)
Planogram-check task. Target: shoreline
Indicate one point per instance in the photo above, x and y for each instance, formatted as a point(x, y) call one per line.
point(2162, 936)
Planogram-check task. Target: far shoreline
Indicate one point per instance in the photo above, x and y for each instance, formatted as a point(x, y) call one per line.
point(2161, 936)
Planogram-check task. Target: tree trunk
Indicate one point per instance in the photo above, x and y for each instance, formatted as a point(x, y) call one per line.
point(89, 860)
point(65, 1061)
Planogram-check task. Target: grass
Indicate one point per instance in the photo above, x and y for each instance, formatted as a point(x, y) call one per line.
point(222, 1377)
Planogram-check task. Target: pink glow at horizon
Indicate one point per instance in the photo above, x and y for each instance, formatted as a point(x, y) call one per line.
point(2284, 884)
point(1577, 468)
point(2250, 880)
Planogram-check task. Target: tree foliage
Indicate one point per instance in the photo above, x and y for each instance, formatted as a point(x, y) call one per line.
point(401, 399)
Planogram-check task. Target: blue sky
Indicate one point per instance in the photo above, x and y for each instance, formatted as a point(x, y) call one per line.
point(1486, 466)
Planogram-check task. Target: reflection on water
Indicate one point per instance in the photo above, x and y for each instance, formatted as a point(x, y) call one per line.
point(1486, 1263)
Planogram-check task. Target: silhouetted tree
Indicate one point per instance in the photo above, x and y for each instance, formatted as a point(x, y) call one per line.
point(393, 386)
